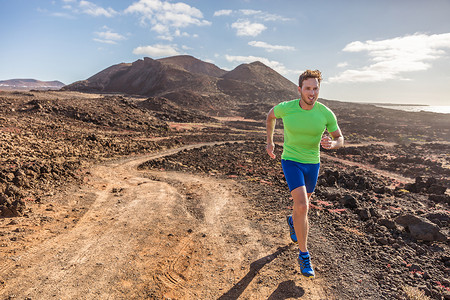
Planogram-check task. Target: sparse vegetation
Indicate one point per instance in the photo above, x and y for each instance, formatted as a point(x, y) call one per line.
point(413, 293)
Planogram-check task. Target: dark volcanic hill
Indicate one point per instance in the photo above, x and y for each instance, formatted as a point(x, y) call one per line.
point(193, 65)
point(29, 84)
point(195, 84)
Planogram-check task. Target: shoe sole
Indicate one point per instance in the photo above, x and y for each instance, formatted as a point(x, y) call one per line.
point(289, 225)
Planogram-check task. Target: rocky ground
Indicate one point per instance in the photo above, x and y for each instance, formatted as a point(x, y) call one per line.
point(410, 160)
point(384, 236)
point(373, 235)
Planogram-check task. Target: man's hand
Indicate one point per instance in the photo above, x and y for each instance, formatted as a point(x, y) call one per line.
point(326, 142)
point(270, 147)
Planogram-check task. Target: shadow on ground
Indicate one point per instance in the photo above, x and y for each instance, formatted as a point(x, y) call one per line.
point(286, 289)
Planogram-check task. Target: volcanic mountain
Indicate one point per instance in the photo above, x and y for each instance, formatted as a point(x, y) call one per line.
point(29, 84)
point(192, 83)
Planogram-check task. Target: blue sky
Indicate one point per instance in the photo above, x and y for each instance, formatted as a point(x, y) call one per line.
point(394, 51)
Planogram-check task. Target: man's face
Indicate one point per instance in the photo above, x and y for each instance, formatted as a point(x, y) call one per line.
point(309, 92)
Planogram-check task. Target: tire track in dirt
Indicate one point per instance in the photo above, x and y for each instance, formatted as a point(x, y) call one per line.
point(161, 235)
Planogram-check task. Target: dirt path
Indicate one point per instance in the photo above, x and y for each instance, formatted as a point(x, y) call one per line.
point(372, 169)
point(161, 235)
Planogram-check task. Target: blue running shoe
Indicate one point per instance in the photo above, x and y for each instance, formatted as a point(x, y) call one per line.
point(305, 265)
point(291, 229)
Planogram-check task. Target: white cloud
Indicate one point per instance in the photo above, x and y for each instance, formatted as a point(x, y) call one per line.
point(262, 15)
point(108, 37)
point(251, 21)
point(55, 14)
point(249, 12)
point(104, 41)
point(178, 33)
point(157, 50)
point(277, 66)
point(165, 37)
point(95, 10)
point(223, 12)
point(392, 57)
point(89, 8)
point(164, 16)
point(246, 28)
point(256, 14)
point(342, 64)
point(160, 28)
point(62, 15)
point(208, 60)
point(268, 47)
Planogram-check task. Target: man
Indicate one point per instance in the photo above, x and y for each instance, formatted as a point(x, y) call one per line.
point(304, 120)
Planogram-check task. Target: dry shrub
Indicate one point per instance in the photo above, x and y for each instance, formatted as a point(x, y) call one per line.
point(413, 293)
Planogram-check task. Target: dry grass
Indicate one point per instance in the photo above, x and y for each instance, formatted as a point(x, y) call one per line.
point(413, 293)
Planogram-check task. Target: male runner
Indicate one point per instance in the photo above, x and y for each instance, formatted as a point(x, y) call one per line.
point(304, 120)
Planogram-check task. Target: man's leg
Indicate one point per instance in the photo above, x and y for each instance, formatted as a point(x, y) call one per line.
point(300, 216)
point(300, 219)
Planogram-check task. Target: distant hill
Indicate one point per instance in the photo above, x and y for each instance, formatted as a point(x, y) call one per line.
point(193, 83)
point(29, 84)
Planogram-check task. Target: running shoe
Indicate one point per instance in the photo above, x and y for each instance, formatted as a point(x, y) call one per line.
point(305, 265)
point(291, 229)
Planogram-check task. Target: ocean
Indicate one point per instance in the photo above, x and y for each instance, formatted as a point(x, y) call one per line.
point(443, 109)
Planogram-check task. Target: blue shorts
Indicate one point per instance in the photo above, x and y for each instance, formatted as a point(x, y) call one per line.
point(298, 174)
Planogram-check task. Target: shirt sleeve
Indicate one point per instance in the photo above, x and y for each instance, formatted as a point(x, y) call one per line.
point(331, 121)
point(280, 110)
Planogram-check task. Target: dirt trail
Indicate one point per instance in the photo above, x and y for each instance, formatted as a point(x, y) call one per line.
point(160, 235)
point(384, 173)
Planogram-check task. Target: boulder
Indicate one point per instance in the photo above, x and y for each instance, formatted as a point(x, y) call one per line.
point(430, 186)
point(363, 213)
point(349, 201)
point(389, 224)
point(421, 228)
point(437, 189)
point(441, 218)
point(440, 198)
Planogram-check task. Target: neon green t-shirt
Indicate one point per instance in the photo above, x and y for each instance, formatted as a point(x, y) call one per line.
point(303, 130)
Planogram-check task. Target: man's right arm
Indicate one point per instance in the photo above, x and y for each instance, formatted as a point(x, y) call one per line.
point(270, 128)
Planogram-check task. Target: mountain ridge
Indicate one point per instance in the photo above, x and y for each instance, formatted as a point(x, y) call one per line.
point(21, 84)
point(193, 83)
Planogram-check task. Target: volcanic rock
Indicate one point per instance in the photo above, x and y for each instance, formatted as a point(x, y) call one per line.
point(363, 213)
point(440, 218)
point(421, 228)
point(440, 198)
point(387, 223)
point(349, 201)
point(429, 186)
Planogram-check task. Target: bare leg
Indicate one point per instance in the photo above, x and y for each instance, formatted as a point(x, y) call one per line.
point(300, 216)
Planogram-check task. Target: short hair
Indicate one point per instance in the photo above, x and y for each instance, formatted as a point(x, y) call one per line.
point(309, 74)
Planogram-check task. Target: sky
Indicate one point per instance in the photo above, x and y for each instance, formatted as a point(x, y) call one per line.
point(384, 51)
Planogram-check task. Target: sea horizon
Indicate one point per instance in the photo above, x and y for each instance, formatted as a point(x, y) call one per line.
point(442, 109)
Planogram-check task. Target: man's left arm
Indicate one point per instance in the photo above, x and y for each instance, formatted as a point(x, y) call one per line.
point(337, 142)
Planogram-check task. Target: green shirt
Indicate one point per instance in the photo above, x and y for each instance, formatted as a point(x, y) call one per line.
point(303, 130)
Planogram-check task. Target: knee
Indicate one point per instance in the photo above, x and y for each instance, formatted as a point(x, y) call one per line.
point(301, 207)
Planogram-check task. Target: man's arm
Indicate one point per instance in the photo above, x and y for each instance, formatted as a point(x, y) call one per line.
point(270, 128)
point(337, 142)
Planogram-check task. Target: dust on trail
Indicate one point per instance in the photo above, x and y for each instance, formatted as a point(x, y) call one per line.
point(160, 235)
